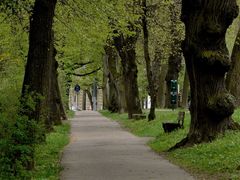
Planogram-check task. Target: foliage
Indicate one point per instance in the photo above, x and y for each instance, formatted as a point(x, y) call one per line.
point(16, 138)
point(216, 160)
point(79, 38)
point(18, 134)
point(47, 154)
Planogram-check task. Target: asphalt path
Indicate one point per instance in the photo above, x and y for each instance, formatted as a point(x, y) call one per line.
point(101, 150)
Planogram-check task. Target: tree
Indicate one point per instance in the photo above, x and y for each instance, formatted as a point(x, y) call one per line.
point(233, 76)
point(185, 91)
point(39, 62)
point(125, 43)
point(126, 49)
point(162, 86)
point(112, 76)
point(175, 58)
point(56, 111)
point(151, 68)
point(207, 61)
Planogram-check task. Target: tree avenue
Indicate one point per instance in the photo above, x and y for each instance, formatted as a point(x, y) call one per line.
point(129, 50)
point(207, 61)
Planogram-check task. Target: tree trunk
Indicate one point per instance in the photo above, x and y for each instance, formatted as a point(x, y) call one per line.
point(126, 49)
point(175, 58)
point(105, 83)
point(233, 76)
point(36, 83)
point(84, 100)
point(36, 86)
point(162, 86)
point(185, 92)
point(55, 100)
point(122, 95)
point(60, 102)
point(113, 100)
point(89, 97)
point(152, 83)
point(207, 61)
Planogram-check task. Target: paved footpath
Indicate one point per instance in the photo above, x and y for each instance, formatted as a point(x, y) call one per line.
point(101, 150)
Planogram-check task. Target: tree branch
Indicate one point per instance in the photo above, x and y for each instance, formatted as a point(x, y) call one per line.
point(86, 74)
point(78, 65)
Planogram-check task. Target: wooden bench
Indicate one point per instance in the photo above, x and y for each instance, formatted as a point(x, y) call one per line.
point(138, 116)
point(170, 126)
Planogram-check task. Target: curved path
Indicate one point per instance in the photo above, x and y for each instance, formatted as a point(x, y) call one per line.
point(101, 150)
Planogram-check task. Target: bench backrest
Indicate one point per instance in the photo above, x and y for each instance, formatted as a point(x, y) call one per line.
point(180, 119)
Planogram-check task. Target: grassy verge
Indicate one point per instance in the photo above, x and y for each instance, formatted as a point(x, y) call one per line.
point(217, 160)
point(48, 154)
point(70, 113)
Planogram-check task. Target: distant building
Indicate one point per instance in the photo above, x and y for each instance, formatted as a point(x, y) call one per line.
point(80, 101)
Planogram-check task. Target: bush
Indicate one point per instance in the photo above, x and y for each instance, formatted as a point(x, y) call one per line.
point(17, 144)
point(18, 135)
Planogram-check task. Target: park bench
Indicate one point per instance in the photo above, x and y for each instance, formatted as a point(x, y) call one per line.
point(138, 116)
point(170, 126)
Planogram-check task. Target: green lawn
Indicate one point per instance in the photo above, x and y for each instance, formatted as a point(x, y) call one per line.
point(217, 160)
point(48, 154)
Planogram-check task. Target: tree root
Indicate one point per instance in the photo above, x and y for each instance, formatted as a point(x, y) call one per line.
point(232, 125)
point(182, 143)
point(188, 142)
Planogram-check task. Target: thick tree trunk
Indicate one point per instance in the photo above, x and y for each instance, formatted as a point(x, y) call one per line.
point(207, 61)
point(233, 76)
point(114, 104)
point(36, 86)
point(161, 96)
point(122, 94)
point(60, 102)
point(185, 92)
point(38, 71)
point(126, 49)
point(54, 107)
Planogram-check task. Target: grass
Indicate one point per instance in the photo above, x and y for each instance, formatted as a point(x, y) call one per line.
point(48, 154)
point(219, 159)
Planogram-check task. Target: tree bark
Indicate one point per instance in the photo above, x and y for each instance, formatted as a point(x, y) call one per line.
point(126, 49)
point(233, 76)
point(122, 94)
point(207, 61)
point(35, 99)
point(38, 71)
point(55, 100)
point(105, 82)
point(161, 96)
point(185, 92)
point(113, 100)
point(84, 100)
